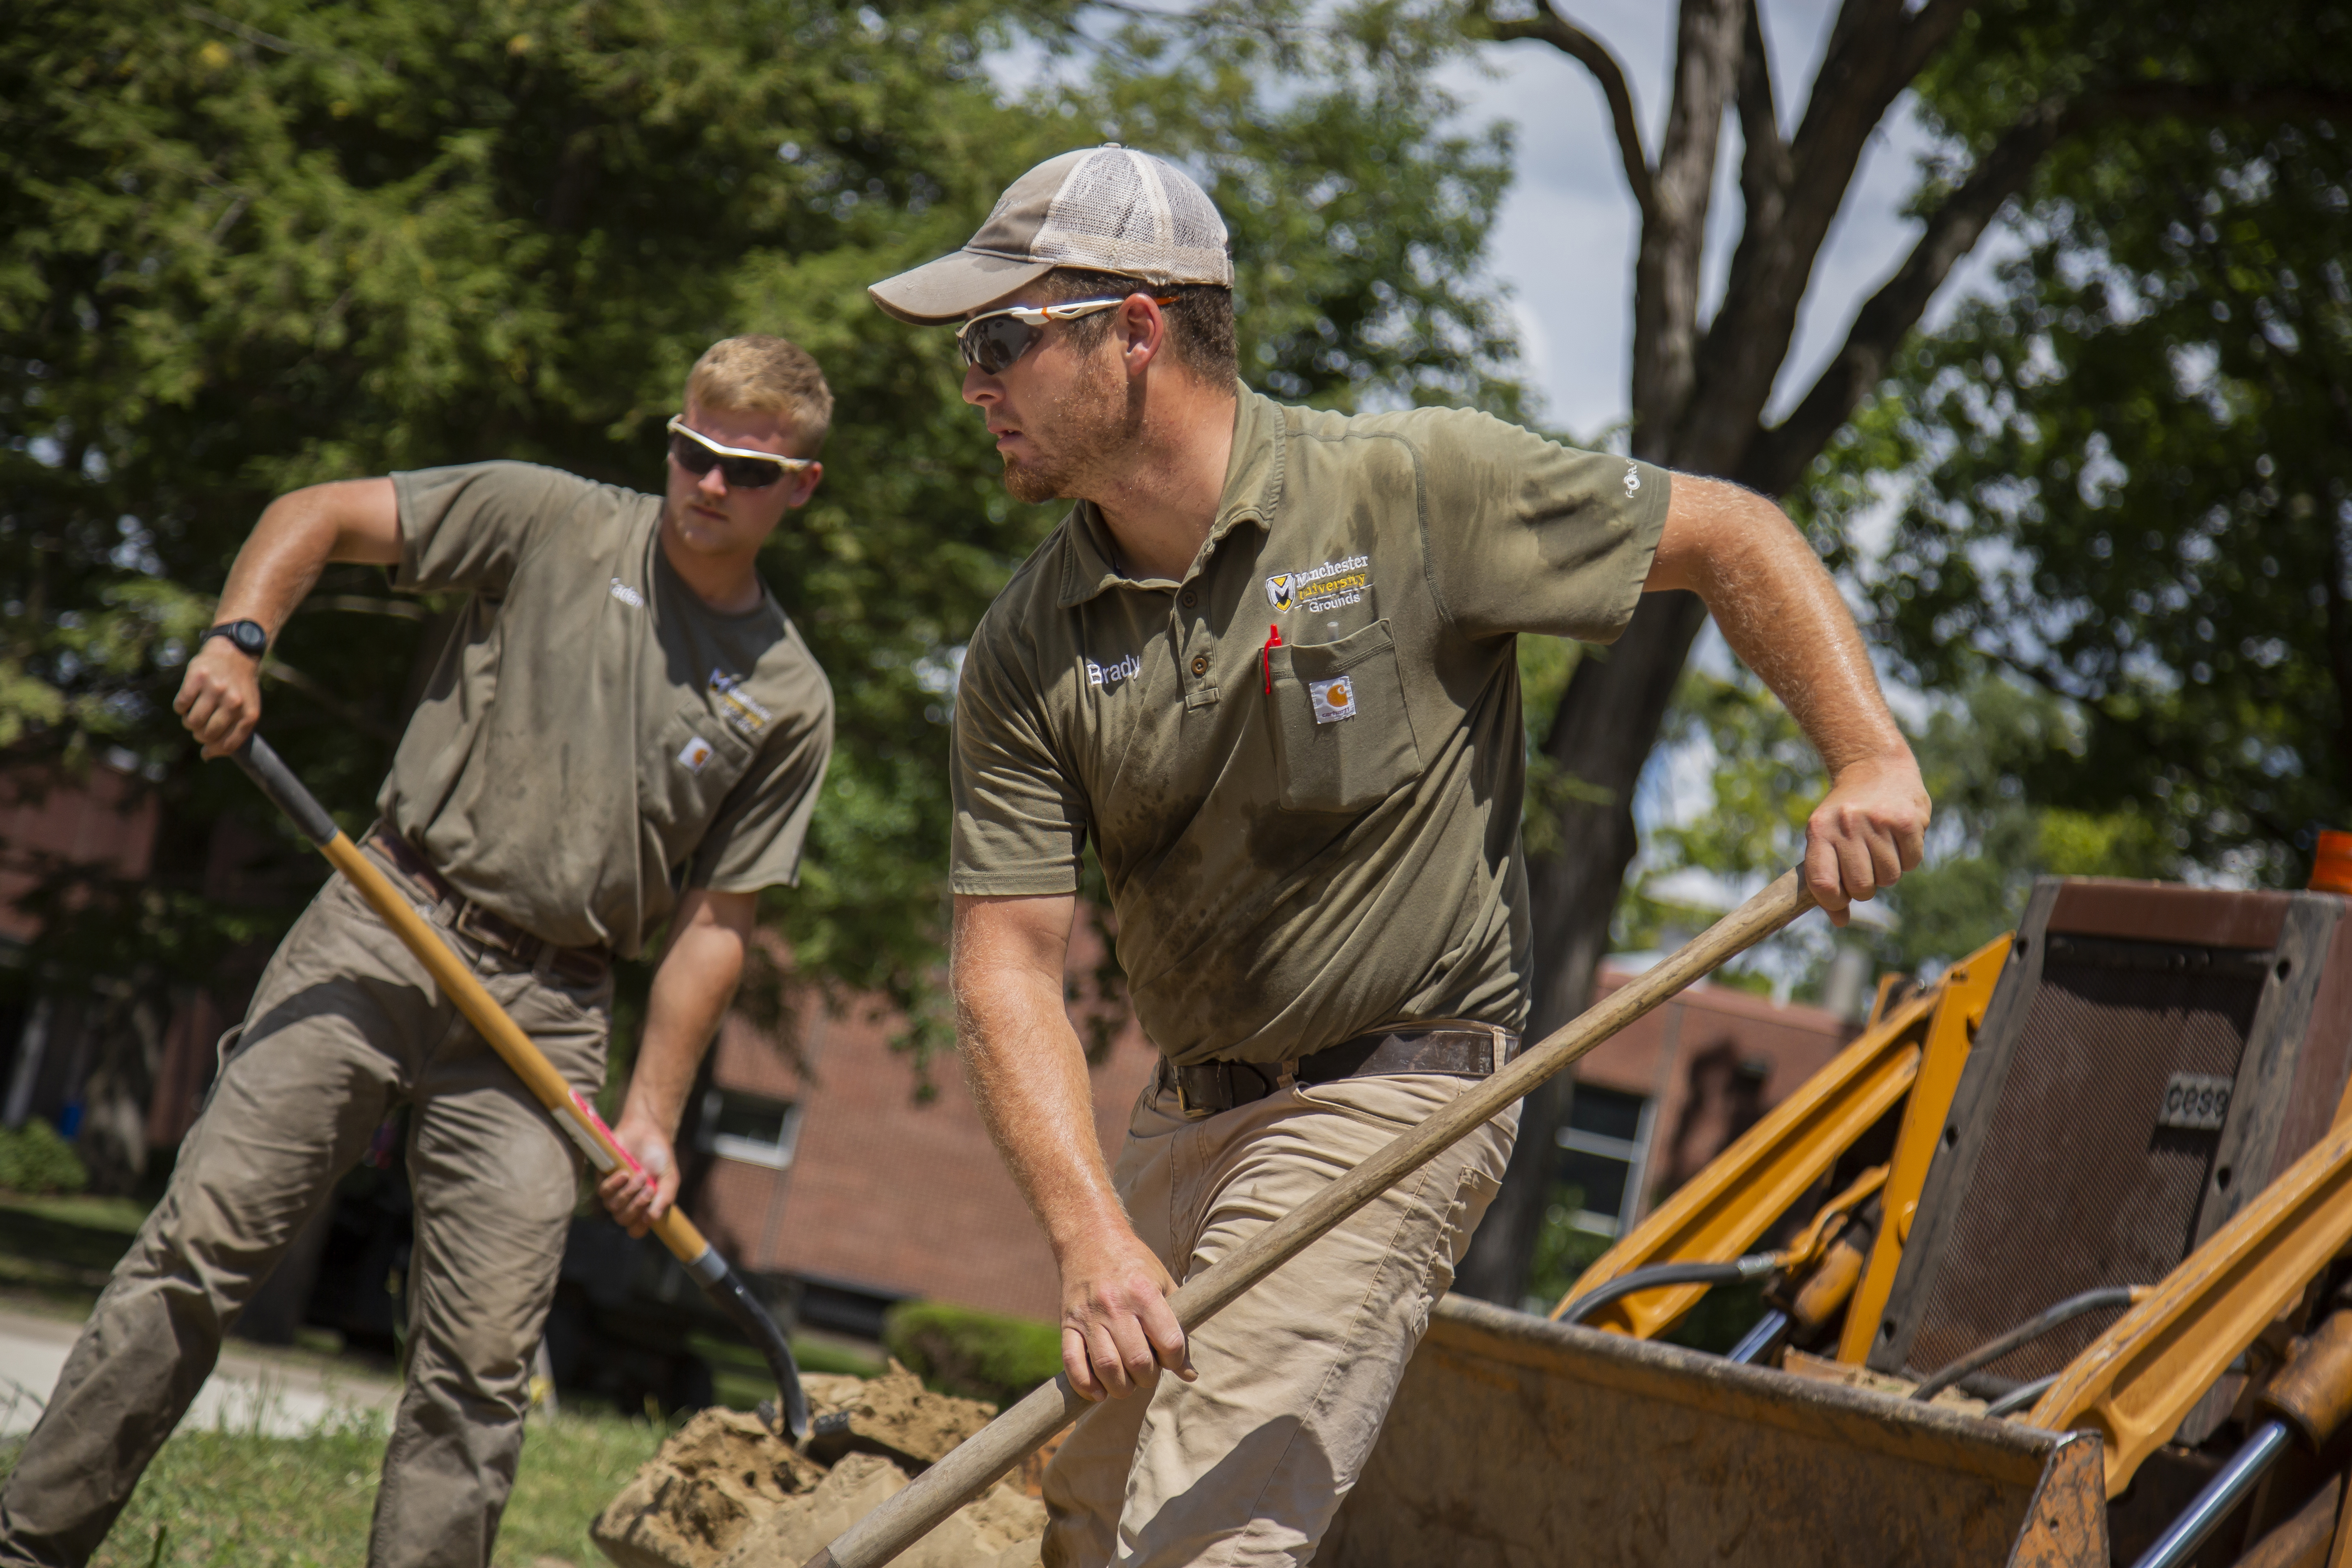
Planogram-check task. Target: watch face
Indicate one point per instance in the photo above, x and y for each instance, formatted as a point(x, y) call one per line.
point(248, 636)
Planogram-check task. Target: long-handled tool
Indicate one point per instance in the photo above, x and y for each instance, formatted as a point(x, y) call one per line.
point(574, 1115)
point(979, 1460)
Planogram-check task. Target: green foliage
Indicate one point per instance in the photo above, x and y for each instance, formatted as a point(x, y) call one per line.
point(248, 249)
point(1989, 840)
point(222, 1498)
point(2133, 486)
point(1564, 1250)
point(34, 1158)
point(980, 1355)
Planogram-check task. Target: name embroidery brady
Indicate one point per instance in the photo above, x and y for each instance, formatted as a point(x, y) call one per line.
point(627, 594)
point(1112, 674)
point(1632, 481)
point(1324, 587)
point(742, 713)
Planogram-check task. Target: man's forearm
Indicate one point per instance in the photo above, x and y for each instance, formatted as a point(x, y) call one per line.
point(1028, 1075)
point(1783, 615)
point(297, 535)
point(690, 993)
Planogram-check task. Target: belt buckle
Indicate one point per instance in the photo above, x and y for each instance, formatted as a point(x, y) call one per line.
point(1184, 1097)
point(464, 925)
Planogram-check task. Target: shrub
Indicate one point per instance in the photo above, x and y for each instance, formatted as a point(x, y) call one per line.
point(980, 1355)
point(35, 1158)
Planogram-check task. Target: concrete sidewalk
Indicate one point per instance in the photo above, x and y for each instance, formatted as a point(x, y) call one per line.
point(249, 1390)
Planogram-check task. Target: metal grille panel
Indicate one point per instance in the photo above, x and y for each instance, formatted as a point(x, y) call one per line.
point(2076, 1185)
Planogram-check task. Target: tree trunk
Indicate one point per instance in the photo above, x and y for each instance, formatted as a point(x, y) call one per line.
point(1607, 724)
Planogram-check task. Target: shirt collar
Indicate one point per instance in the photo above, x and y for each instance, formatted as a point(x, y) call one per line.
point(1253, 491)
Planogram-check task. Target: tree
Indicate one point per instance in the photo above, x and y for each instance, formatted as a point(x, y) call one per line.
point(2134, 486)
point(2004, 83)
point(243, 252)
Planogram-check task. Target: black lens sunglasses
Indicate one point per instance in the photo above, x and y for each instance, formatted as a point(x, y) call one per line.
point(742, 468)
point(992, 342)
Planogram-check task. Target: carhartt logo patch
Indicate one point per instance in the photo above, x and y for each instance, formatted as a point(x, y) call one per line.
point(696, 752)
point(1277, 590)
point(627, 594)
point(1334, 698)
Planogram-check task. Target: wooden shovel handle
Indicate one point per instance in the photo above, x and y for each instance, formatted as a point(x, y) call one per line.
point(977, 1461)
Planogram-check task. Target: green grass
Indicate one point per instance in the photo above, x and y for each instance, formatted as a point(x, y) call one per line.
point(213, 1499)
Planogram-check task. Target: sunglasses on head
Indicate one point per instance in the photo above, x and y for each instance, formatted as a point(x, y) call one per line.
point(993, 341)
point(742, 468)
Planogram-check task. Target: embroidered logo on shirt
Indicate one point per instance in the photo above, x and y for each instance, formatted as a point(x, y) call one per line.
point(1632, 481)
point(627, 594)
point(1112, 674)
point(1334, 698)
point(697, 751)
point(741, 711)
point(1324, 587)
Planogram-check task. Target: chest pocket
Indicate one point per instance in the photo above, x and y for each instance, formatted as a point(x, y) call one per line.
point(682, 777)
point(1342, 739)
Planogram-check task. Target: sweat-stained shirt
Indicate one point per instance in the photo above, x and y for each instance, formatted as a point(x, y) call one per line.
point(1310, 835)
point(596, 738)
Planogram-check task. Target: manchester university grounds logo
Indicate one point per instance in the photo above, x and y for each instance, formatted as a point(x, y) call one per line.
point(1324, 587)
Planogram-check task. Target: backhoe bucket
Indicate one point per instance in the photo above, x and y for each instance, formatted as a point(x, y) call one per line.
point(1515, 1441)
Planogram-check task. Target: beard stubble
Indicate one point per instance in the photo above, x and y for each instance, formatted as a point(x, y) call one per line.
point(1094, 421)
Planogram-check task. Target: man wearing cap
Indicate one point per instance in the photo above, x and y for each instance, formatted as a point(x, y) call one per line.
point(1268, 664)
point(624, 731)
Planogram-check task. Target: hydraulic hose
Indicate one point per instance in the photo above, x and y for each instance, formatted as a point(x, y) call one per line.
point(2023, 1394)
point(1754, 1265)
point(2026, 1333)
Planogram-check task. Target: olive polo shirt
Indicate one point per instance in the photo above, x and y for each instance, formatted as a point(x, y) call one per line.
point(1302, 765)
point(596, 737)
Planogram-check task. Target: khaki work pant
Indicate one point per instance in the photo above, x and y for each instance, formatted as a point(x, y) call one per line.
point(1248, 1465)
point(346, 1025)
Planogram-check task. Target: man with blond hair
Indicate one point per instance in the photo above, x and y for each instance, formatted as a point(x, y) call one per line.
point(1267, 666)
point(625, 731)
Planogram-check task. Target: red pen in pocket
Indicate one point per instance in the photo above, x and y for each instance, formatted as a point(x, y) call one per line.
point(1265, 655)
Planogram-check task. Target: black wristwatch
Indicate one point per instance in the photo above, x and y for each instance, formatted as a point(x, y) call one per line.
point(247, 636)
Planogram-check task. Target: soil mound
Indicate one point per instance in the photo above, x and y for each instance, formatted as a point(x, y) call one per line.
point(725, 1492)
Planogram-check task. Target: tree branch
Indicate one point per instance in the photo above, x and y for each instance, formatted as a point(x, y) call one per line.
point(1875, 50)
point(1549, 26)
point(1764, 167)
point(1776, 457)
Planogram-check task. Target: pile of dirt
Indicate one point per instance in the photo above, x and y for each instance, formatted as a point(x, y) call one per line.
point(725, 1492)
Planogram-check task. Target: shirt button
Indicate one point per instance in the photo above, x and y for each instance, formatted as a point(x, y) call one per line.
point(1199, 664)
point(1190, 598)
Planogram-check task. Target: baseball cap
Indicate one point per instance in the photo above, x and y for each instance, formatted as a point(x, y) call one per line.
point(1106, 209)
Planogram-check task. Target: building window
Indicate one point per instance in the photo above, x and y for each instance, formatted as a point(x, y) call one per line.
point(751, 1127)
point(1603, 1150)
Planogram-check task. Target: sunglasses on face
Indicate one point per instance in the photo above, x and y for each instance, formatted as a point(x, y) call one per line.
point(742, 468)
point(993, 341)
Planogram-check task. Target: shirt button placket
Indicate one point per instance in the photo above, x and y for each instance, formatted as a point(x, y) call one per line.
point(1199, 664)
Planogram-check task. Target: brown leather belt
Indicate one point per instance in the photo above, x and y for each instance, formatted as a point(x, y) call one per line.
point(582, 965)
point(1455, 1050)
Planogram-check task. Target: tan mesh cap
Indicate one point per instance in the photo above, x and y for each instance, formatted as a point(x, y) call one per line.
point(1108, 210)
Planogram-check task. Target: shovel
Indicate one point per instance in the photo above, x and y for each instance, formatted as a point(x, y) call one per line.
point(975, 1464)
point(577, 1118)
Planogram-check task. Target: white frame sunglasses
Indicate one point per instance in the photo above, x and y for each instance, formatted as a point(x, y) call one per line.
point(1007, 347)
point(732, 461)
